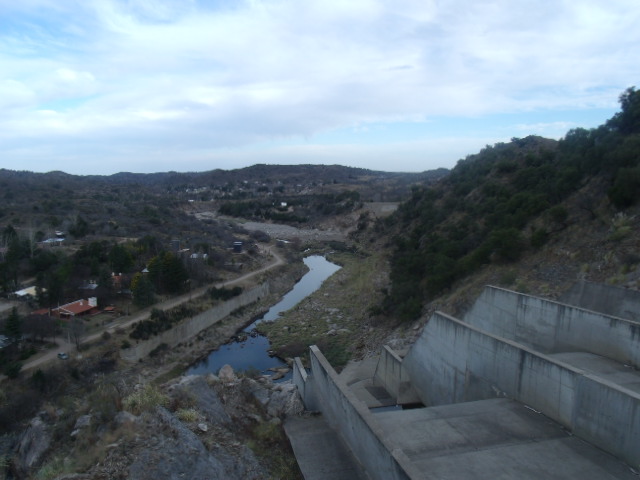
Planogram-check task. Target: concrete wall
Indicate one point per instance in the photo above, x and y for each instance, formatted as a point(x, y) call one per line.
point(391, 375)
point(607, 299)
point(553, 327)
point(454, 362)
point(356, 424)
point(305, 386)
point(608, 416)
point(191, 327)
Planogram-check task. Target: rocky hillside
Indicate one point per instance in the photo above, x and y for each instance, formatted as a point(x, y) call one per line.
point(194, 427)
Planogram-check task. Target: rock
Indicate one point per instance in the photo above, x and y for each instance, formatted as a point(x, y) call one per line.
point(83, 422)
point(207, 400)
point(123, 418)
point(176, 452)
point(203, 427)
point(285, 401)
point(32, 446)
point(332, 332)
point(259, 392)
point(226, 374)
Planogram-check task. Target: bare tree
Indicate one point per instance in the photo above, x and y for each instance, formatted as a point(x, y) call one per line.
point(39, 327)
point(76, 330)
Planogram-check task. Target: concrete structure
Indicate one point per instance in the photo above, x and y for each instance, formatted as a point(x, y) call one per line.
point(522, 388)
point(608, 299)
point(553, 327)
point(320, 452)
point(191, 327)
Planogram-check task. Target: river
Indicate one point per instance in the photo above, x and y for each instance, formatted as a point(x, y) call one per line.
point(249, 350)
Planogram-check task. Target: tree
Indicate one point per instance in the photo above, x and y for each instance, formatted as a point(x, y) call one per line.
point(143, 291)
point(39, 327)
point(13, 326)
point(120, 259)
point(624, 191)
point(76, 330)
point(628, 120)
point(80, 228)
point(167, 273)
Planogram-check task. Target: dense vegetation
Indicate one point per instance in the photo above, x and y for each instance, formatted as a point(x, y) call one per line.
point(483, 211)
point(294, 209)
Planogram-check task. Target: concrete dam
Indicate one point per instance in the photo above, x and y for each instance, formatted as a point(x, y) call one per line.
point(518, 388)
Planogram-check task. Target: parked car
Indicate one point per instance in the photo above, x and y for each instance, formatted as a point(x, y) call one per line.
point(63, 356)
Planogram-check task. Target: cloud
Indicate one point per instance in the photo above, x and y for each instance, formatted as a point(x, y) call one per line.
point(212, 75)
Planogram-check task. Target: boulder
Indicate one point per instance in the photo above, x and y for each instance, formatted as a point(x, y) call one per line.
point(207, 400)
point(31, 448)
point(123, 418)
point(285, 401)
point(259, 392)
point(226, 374)
point(176, 452)
point(82, 422)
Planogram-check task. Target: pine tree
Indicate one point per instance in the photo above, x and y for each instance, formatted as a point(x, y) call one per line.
point(13, 326)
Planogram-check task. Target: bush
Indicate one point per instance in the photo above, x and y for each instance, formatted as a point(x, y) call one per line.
point(144, 400)
point(188, 415)
point(539, 237)
point(12, 369)
point(626, 187)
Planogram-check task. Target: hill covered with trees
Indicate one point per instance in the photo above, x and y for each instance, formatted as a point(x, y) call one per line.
point(508, 199)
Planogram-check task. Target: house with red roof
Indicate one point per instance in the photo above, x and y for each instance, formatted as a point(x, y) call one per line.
point(77, 308)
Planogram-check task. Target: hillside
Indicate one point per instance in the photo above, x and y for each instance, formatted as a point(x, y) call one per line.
point(522, 201)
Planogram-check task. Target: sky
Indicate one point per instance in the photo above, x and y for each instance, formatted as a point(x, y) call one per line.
point(104, 86)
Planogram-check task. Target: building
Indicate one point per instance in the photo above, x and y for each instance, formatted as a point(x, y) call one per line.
point(78, 308)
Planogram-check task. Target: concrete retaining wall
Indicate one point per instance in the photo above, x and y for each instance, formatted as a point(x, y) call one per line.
point(305, 386)
point(191, 327)
point(607, 299)
point(355, 423)
point(454, 362)
point(553, 327)
point(391, 375)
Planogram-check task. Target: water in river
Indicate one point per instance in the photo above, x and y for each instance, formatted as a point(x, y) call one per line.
point(250, 350)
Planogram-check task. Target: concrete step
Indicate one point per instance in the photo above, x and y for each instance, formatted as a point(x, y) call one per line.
point(320, 452)
point(356, 371)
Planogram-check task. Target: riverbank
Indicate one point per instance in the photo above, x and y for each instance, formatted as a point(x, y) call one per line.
point(343, 316)
point(167, 364)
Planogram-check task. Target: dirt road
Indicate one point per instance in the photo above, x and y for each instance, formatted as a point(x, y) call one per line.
point(123, 322)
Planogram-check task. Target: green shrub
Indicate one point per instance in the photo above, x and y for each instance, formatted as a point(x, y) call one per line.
point(145, 399)
point(52, 469)
point(188, 415)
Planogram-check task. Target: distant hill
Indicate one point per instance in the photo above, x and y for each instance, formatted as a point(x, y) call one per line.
point(260, 172)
